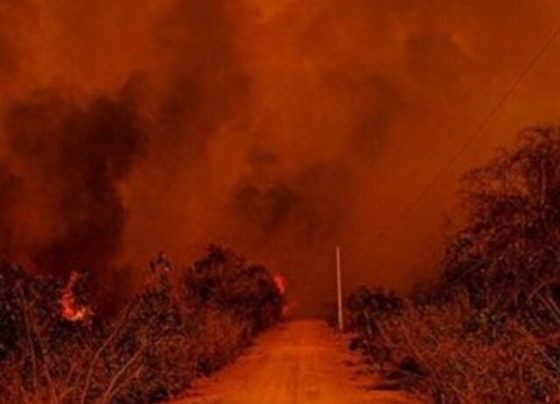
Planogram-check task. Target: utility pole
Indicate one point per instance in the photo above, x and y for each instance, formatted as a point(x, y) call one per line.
point(339, 290)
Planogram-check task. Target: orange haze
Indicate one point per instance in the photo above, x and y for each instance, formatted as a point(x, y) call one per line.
point(279, 127)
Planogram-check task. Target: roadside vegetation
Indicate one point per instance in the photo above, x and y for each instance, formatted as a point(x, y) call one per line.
point(488, 329)
point(55, 349)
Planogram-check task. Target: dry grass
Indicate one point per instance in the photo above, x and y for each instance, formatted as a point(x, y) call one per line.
point(436, 352)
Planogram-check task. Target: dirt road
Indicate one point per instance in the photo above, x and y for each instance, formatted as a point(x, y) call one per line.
point(300, 362)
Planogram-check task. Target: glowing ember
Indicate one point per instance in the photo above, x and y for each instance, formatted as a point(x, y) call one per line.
point(280, 281)
point(69, 310)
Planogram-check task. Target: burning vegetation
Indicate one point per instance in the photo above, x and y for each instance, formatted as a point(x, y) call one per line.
point(68, 307)
point(488, 330)
point(183, 325)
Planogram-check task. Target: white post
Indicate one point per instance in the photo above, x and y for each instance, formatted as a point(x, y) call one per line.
point(339, 290)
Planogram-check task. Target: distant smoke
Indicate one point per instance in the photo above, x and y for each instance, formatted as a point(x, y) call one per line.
point(293, 206)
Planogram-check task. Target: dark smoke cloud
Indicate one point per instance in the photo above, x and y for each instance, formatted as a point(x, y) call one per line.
point(295, 206)
point(203, 82)
point(285, 216)
point(74, 157)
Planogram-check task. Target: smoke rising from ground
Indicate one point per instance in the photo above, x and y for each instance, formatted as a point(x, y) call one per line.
point(280, 127)
point(71, 159)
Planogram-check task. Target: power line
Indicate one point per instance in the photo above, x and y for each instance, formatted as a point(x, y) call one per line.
point(478, 131)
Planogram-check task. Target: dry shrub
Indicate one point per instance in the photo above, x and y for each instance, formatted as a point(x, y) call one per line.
point(217, 348)
point(433, 351)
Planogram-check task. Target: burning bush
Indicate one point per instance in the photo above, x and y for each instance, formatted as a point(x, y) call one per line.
point(487, 330)
point(53, 348)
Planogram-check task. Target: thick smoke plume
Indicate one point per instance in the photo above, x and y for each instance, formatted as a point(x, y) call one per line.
point(72, 159)
point(280, 127)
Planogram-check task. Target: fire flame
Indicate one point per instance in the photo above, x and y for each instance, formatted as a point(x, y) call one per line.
point(281, 284)
point(280, 281)
point(69, 310)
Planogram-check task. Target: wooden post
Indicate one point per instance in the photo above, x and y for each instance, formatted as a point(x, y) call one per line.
point(339, 290)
